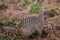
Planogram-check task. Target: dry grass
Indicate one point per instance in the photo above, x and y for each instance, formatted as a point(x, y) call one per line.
point(15, 9)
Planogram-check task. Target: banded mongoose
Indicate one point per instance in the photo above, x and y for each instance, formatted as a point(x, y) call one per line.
point(29, 25)
point(32, 23)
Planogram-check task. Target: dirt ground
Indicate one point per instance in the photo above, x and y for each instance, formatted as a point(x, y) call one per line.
point(14, 9)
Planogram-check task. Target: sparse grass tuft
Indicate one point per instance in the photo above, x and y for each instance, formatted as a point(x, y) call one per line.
point(10, 22)
point(58, 10)
point(18, 39)
point(25, 3)
point(3, 6)
point(6, 38)
point(13, 21)
point(53, 11)
point(34, 8)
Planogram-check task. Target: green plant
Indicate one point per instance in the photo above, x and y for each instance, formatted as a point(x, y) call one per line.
point(34, 8)
point(1, 38)
point(6, 38)
point(2, 6)
point(25, 3)
point(59, 10)
point(18, 39)
point(10, 22)
point(13, 21)
point(52, 11)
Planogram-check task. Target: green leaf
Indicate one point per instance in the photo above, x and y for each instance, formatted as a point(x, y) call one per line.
point(1, 38)
point(18, 39)
point(7, 38)
point(25, 3)
point(53, 11)
point(3, 6)
point(34, 8)
point(10, 22)
point(7, 22)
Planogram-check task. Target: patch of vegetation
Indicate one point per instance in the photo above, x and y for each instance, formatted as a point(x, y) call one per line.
point(25, 3)
point(34, 8)
point(1, 38)
point(13, 21)
point(53, 11)
point(18, 39)
point(6, 38)
point(3, 6)
point(10, 22)
point(59, 10)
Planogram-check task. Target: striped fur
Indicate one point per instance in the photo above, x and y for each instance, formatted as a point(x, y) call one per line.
point(31, 23)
